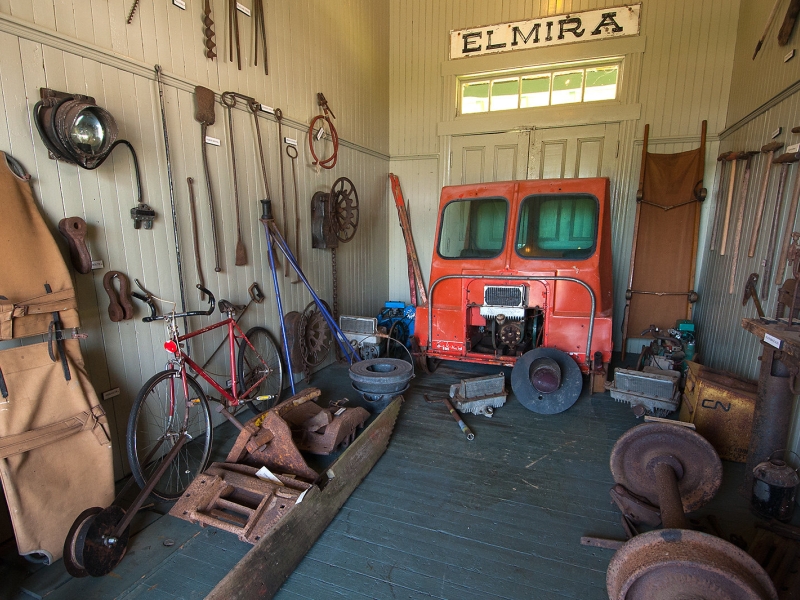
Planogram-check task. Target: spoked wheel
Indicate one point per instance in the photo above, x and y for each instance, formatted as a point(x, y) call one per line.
point(160, 414)
point(91, 548)
point(260, 365)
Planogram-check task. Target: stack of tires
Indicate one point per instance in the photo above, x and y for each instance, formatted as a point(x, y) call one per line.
point(379, 380)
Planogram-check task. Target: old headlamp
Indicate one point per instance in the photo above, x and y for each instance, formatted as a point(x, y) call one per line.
point(77, 131)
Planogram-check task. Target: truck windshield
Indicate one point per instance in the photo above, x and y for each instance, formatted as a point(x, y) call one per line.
point(560, 226)
point(474, 228)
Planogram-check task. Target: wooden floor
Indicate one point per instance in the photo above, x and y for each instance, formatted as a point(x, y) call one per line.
point(438, 516)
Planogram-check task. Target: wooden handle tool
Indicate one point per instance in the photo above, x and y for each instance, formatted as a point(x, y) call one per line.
point(732, 157)
point(737, 237)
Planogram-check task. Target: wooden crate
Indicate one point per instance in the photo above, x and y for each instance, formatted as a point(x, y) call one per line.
point(721, 407)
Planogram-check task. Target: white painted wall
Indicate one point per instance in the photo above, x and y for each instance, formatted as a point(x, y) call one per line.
point(682, 76)
point(340, 49)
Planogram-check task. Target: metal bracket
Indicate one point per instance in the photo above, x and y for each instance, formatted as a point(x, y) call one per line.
point(142, 215)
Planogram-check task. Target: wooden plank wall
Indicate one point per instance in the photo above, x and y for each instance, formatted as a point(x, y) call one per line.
point(86, 47)
point(683, 77)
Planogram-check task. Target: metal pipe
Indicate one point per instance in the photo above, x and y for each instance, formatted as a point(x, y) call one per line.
point(467, 431)
point(516, 278)
point(171, 194)
point(669, 497)
point(286, 351)
point(772, 414)
point(338, 335)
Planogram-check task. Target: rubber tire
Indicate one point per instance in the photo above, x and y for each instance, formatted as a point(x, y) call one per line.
point(381, 375)
point(195, 455)
point(259, 335)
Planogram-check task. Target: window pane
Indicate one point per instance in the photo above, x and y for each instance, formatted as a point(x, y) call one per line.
point(557, 226)
point(601, 84)
point(567, 87)
point(535, 91)
point(475, 97)
point(473, 228)
point(505, 94)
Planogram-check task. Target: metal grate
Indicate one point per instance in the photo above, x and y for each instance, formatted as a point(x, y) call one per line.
point(362, 325)
point(504, 295)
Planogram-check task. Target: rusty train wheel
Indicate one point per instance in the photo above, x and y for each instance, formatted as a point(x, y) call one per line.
point(677, 564)
point(694, 459)
point(75, 540)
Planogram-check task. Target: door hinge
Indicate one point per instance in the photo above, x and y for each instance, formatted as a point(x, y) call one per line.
point(617, 154)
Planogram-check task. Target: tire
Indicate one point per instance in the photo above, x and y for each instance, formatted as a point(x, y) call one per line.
point(265, 362)
point(149, 424)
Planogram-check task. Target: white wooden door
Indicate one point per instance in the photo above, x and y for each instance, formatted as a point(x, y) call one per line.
point(567, 152)
point(489, 157)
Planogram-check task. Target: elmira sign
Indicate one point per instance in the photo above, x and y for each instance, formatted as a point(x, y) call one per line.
point(548, 31)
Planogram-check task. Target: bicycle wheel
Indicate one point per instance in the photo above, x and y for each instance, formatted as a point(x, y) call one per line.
point(153, 425)
point(260, 366)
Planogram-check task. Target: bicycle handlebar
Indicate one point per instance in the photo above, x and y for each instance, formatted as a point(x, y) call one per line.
point(154, 316)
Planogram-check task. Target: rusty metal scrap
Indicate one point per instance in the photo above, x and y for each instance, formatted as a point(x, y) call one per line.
point(233, 498)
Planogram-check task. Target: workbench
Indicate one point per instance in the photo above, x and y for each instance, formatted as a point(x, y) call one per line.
point(780, 364)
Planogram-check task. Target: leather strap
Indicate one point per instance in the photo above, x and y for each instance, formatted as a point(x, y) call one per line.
point(120, 307)
point(49, 434)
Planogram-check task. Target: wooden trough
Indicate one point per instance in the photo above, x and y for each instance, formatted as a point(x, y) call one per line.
point(272, 559)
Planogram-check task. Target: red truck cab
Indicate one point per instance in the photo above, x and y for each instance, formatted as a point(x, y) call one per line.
point(520, 265)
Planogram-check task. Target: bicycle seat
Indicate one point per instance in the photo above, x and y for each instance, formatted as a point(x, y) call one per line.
point(226, 306)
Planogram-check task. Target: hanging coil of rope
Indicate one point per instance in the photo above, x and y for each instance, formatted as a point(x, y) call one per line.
point(330, 162)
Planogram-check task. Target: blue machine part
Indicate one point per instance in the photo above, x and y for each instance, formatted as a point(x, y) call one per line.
point(398, 319)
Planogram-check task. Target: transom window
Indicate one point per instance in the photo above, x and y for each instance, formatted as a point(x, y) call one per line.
point(545, 86)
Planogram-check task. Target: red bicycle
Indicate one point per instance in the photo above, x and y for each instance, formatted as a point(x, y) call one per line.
point(172, 403)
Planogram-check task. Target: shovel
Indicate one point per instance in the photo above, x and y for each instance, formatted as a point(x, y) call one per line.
point(204, 114)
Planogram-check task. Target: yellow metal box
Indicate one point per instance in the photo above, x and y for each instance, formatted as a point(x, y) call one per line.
point(721, 407)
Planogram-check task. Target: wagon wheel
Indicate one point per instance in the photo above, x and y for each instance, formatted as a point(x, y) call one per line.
point(344, 201)
point(315, 336)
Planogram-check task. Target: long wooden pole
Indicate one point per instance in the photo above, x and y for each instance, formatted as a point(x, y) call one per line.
point(639, 197)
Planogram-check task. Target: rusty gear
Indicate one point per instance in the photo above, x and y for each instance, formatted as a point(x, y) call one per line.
point(344, 202)
point(315, 336)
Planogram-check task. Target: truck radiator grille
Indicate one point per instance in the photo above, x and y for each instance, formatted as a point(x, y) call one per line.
point(504, 295)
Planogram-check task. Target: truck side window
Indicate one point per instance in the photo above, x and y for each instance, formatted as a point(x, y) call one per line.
point(474, 228)
point(559, 226)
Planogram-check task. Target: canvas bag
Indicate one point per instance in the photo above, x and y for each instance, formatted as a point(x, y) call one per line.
point(55, 448)
point(31, 259)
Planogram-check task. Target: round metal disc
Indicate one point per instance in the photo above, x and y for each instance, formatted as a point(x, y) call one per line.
point(634, 455)
point(547, 403)
point(73, 544)
point(676, 564)
point(100, 557)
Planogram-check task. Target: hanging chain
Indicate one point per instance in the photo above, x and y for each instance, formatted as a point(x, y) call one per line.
point(335, 286)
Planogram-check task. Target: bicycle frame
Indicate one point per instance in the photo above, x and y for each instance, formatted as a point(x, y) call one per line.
point(231, 399)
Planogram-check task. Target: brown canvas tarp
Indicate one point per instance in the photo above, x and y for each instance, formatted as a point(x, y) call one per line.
point(55, 449)
point(665, 251)
point(31, 259)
